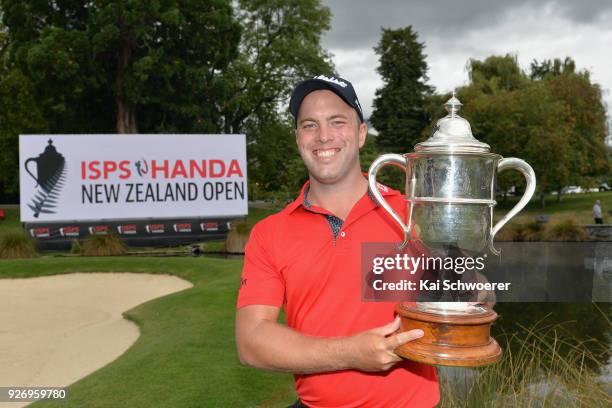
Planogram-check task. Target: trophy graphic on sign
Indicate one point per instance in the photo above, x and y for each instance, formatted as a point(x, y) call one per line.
point(50, 174)
point(450, 194)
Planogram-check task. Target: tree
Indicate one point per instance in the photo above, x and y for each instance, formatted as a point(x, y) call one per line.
point(124, 66)
point(280, 46)
point(399, 114)
point(496, 73)
point(554, 119)
point(19, 114)
point(556, 67)
point(586, 114)
point(526, 123)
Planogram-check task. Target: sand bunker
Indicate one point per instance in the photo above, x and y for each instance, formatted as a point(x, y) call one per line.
point(55, 330)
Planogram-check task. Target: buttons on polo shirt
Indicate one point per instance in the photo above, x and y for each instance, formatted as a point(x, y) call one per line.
point(343, 234)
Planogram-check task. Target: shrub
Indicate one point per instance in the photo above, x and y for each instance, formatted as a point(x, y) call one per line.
point(16, 243)
point(506, 234)
point(529, 231)
point(532, 231)
point(566, 230)
point(104, 245)
point(75, 247)
point(237, 237)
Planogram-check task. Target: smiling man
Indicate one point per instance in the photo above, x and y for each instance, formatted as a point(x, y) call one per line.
point(306, 259)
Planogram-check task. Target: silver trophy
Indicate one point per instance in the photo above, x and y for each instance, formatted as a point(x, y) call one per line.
point(450, 194)
point(450, 187)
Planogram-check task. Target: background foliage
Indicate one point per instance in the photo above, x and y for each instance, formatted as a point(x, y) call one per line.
point(215, 66)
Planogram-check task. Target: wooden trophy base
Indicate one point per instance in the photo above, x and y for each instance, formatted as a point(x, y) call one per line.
point(462, 340)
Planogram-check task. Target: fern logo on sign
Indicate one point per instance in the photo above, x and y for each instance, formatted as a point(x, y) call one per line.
point(49, 174)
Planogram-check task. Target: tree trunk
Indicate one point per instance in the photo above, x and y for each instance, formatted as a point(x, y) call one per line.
point(126, 117)
point(542, 201)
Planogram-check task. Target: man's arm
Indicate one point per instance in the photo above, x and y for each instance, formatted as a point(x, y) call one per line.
point(264, 343)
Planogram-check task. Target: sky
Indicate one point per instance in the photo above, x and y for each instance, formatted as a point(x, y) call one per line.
point(455, 31)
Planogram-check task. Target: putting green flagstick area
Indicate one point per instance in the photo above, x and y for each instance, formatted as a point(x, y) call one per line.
point(185, 355)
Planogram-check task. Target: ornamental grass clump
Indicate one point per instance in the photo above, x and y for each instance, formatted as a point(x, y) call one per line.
point(75, 247)
point(104, 245)
point(16, 244)
point(519, 232)
point(539, 368)
point(237, 237)
point(566, 230)
point(507, 233)
point(532, 231)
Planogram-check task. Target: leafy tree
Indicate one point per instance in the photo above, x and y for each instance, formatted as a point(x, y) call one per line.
point(586, 114)
point(554, 119)
point(129, 66)
point(280, 46)
point(524, 123)
point(399, 114)
point(20, 114)
point(541, 70)
point(496, 73)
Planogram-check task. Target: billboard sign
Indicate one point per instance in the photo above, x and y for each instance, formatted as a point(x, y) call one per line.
point(131, 177)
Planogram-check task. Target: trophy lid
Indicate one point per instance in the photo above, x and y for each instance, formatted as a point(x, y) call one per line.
point(452, 133)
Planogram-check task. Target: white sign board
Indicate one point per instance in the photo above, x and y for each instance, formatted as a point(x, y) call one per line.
point(110, 177)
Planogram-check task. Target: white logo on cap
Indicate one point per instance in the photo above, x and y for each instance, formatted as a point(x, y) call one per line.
point(332, 80)
point(358, 105)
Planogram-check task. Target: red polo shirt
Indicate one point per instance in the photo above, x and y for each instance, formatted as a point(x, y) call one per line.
point(293, 260)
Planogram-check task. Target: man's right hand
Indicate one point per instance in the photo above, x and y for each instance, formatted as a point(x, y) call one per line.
point(373, 350)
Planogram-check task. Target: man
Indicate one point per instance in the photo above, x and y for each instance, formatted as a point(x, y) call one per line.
point(306, 259)
point(597, 212)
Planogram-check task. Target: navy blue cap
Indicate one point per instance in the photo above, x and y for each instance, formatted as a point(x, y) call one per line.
point(341, 87)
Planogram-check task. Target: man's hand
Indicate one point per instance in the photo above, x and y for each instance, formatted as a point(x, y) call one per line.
point(263, 342)
point(373, 350)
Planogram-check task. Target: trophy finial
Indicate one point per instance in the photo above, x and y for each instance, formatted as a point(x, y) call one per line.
point(452, 133)
point(453, 105)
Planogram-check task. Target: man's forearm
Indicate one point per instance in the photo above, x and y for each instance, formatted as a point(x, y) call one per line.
point(273, 346)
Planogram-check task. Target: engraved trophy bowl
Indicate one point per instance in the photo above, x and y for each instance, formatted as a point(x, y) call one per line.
point(450, 195)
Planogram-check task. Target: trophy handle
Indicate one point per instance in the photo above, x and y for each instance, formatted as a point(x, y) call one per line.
point(530, 178)
point(380, 162)
point(28, 170)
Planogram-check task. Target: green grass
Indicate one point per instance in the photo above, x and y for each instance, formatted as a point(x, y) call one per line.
point(11, 220)
point(186, 354)
point(575, 206)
